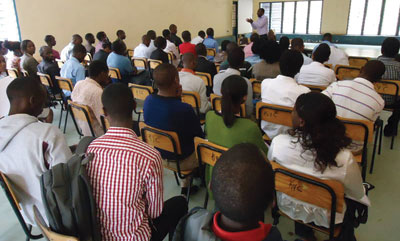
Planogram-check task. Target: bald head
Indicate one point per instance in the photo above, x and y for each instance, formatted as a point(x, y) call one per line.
point(373, 70)
point(146, 40)
point(189, 61)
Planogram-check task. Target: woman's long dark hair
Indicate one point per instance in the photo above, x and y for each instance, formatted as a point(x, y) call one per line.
point(233, 89)
point(322, 133)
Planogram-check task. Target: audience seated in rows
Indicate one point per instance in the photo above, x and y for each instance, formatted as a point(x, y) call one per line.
point(211, 43)
point(160, 43)
point(67, 51)
point(73, 69)
point(117, 59)
point(317, 73)
point(283, 90)
point(101, 37)
point(317, 146)
point(338, 56)
point(28, 62)
point(243, 188)
point(152, 35)
point(51, 42)
point(15, 48)
point(174, 38)
point(126, 176)
point(50, 67)
point(187, 47)
point(171, 47)
point(204, 65)
point(235, 59)
point(269, 65)
point(103, 53)
point(200, 38)
point(298, 45)
point(245, 68)
point(142, 50)
point(89, 37)
point(247, 49)
point(222, 55)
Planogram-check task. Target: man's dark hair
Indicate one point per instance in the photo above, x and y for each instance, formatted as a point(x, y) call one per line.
point(322, 53)
point(166, 33)
point(186, 36)
point(262, 9)
point(270, 51)
point(297, 43)
point(284, 43)
point(22, 87)
point(79, 48)
point(327, 37)
point(254, 37)
point(120, 32)
point(290, 62)
point(106, 44)
point(24, 44)
point(152, 34)
point(201, 49)
point(224, 44)
point(235, 58)
point(164, 75)
point(373, 70)
point(89, 36)
point(48, 38)
point(390, 47)
point(210, 32)
point(243, 183)
point(202, 34)
point(119, 47)
point(97, 67)
point(101, 35)
point(160, 42)
point(118, 101)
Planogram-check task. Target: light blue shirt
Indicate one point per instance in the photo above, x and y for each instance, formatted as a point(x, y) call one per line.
point(325, 42)
point(254, 59)
point(73, 69)
point(211, 43)
point(123, 64)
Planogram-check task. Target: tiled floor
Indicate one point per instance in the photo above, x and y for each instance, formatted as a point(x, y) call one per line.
point(383, 223)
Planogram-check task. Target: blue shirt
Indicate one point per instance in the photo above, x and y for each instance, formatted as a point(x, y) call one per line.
point(171, 114)
point(254, 59)
point(73, 69)
point(211, 43)
point(123, 64)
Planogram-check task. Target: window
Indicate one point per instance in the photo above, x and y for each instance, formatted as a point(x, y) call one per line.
point(374, 17)
point(8, 21)
point(301, 17)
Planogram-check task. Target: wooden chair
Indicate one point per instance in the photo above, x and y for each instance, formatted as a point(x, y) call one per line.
point(216, 105)
point(256, 84)
point(347, 72)
point(154, 63)
point(211, 52)
point(12, 199)
point(130, 53)
point(60, 63)
point(329, 66)
point(217, 66)
point(115, 73)
point(46, 231)
point(140, 92)
point(207, 153)
point(13, 72)
point(327, 194)
point(206, 77)
point(140, 62)
point(67, 85)
point(104, 123)
point(358, 61)
point(88, 57)
point(167, 141)
point(24, 73)
point(170, 57)
point(82, 113)
point(315, 88)
point(193, 98)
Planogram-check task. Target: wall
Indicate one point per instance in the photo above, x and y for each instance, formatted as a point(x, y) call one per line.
point(245, 10)
point(62, 18)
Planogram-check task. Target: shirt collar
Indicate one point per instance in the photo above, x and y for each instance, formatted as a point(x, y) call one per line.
point(75, 59)
point(232, 71)
point(364, 82)
point(188, 70)
point(92, 81)
point(120, 132)
point(285, 78)
point(210, 37)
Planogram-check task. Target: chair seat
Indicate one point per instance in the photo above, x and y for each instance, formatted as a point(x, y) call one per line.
point(169, 167)
point(266, 138)
point(358, 158)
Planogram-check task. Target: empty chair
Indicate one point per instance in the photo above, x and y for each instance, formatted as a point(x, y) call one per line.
point(67, 85)
point(81, 113)
point(130, 53)
point(140, 92)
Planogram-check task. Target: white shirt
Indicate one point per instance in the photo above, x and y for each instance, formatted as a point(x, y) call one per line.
point(28, 148)
point(141, 51)
point(307, 60)
point(261, 25)
point(4, 102)
point(316, 74)
point(222, 75)
point(197, 40)
point(151, 48)
point(191, 82)
point(356, 99)
point(171, 47)
point(337, 56)
point(66, 52)
point(282, 90)
point(289, 153)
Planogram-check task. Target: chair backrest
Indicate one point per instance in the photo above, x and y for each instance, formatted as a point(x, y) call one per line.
point(13, 72)
point(104, 123)
point(211, 52)
point(388, 87)
point(141, 92)
point(216, 105)
point(217, 66)
point(358, 61)
point(170, 57)
point(7, 188)
point(256, 84)
point(45, 79)
point(207, 152)
point(24, 73)
point(65, 84)
point(347, 72)
point(359, 130)
point(276, 114)
point(140, 62)
point(153, 63)
point(164, 140)
point(206, 77)
point(130, 53)
point(60, 63)
point(192, 98)
point(329, 66)
point(46, 231)
point(88, 57)
point(114, 73)
point(315, 88)
point(82, 113)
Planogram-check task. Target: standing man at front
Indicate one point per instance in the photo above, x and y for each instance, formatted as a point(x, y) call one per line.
point(261, 25)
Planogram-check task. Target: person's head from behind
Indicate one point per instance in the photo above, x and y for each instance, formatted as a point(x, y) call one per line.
point(270, 51)
point(26, 96)
point(152, 34)
point(173, 29)
point(101, 36)
point(254, 37)
point(76, 39)
point(187, 37)
point(166, 79)
point(79, 52)
point(202, 34)
point(146, 40)
point(201, 49)
point(46, 53)
point(290, 63)
point(327, 37)
point(166, 34)
point(119, 47)
point(318, 129)
point(121, 34)
point(160, 42)
point(284, 43)
point(89, 37)
point(224, 45)
point(28, 47)
point(242, 184)
point(235, 58)
point(189, 61)
point(107, 47)
point(3, 64)
point(50, 40)
point(118, 104)
point(260, 12)
point(373, 70)
point(3, 49)
point(271, 35)
point(98, 71)
point(322, 53)
point(257, 46)
point(210, 32)
point(297, 44)
point(13, 46)
point(234, 93)
point(390, 47)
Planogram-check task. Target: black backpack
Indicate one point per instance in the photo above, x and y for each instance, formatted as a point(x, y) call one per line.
point(67, 197)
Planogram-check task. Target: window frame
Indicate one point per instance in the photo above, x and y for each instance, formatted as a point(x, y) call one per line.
point(16, 19)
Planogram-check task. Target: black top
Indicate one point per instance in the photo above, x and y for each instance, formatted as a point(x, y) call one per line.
point(101, 55)
point(177, 41)
point(50, 68)
point(205, 66)
point(159, 54)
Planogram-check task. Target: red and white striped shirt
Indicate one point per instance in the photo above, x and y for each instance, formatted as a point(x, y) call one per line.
point(127, 183)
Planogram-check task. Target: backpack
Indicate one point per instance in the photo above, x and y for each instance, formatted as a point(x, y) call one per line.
point(67, 196)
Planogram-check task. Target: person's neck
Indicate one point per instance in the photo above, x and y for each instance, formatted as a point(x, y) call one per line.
point(128, 123)
point(166, 93)
point(49, 45)
point(234, 68)
point(14, 110)
point(232, 226)
point(366, 77)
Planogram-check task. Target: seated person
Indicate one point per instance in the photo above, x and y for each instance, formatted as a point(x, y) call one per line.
point(256, 49)
point(298, 45)
point(269, 65)
point(243, 188)
point(171, 47)
point(284, 43)
point(159, 53)
point(235, 59)
point(317, 73)
point(28, 62)
point(73, 69)
point(247, 49)
point(187, 47)
point(200, 38)
point(142, 50)
point(174, 38)
point(152, 35)
point(243, 40)
point(89, 37)
point(316, 146)
point(191, 82)
point(283, 90)
point(126, 176)
point(357, 99)
point(337, 56)
point(101, 37)
point(67, 51)
point(166, 111)
point(102, 54)
point(245, 69)
point(223, 54)
point(204, 65)
point(3, 67)
point(88, 92)
point(117, 59)
point(28, 147)
point(121, 35)
point(51, 42)
point(15, 60)
point(50, 67)
point(211, 43)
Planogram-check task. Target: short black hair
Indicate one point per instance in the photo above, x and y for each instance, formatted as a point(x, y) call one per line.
point(48, 38)
point(119, 47)
point(118, 101)
point(243, 183)
point(201, 49)
point(120, 32)
point(270, 51)
point(235, 58)
point(24, 44)
point(89, 36)
point(254, 37)
point(160, 42)
point(233, 89)
point(186, 36)
point(262, 9)
point(166, 33)
point(224, 44)
point(152, 34)
point(97, 67)
point(322, 53)
point(210, 32)
point(390, 47)
point(327, 36)
point(106, 44)
point(101, 35)
point(297, 43)
point(290, 62)
point(164, 75)
point(284, 43)
point(374, 69)
point(23, 87)
point(79, 48)
point(202, 34)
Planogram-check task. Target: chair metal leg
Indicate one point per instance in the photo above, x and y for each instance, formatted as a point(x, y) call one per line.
point(206, 199)
point(30, 231)
point(61, 114)
point(380, 140)
point(66, 120)
point(176, 178)
point(188, 189)
point(391, 144)
point(374, 151)
point(138, 119)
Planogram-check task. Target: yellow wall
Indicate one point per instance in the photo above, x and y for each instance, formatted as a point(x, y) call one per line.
point(335, 14)
point(62, 18)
